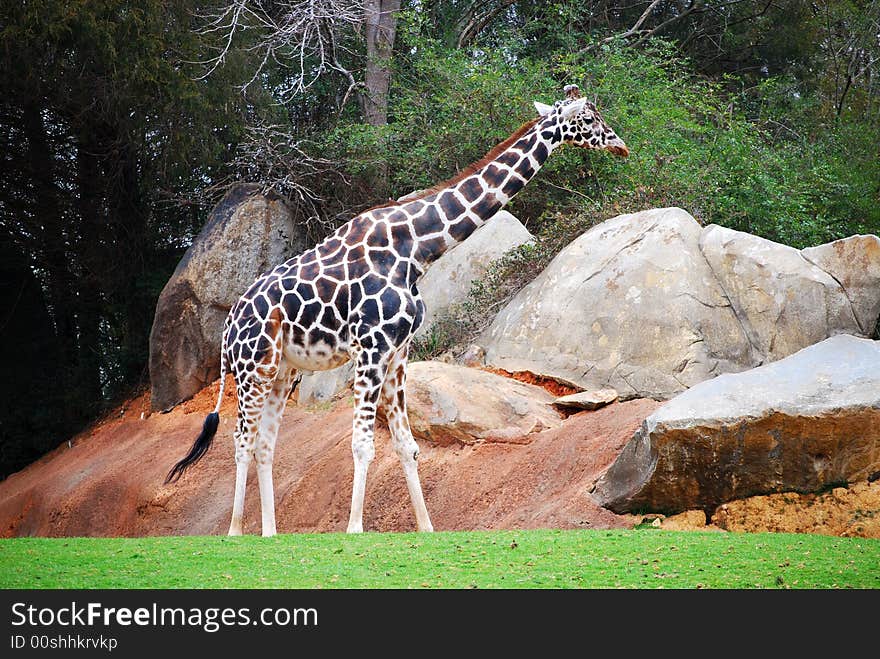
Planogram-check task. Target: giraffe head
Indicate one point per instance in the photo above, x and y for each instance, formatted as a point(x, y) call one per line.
point(580, 123)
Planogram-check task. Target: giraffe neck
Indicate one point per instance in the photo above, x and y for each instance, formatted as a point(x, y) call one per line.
point(455, 211)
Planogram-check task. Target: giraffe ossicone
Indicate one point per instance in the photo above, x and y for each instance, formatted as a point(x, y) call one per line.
point(355, 297)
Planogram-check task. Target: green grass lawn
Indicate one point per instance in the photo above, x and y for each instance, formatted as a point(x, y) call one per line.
point(485, 559)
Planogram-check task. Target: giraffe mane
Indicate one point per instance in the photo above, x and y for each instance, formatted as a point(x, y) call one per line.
point(474, 167)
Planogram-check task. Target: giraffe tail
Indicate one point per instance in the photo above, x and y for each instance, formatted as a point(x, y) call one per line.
point(199, 448)
point(206, 437)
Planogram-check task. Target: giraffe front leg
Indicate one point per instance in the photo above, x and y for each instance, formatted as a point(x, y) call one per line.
point(363, 451)
point(267, 495)
point(402, 440)
point(367, 386)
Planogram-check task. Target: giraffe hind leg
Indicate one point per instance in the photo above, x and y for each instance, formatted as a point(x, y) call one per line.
point(270, 422)
point(252, 395)
point(255, 378)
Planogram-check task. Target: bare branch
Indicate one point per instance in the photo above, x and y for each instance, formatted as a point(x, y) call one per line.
point(285, 164)
point(638, 33)
point(300, 35)
point(694, 6)
point(477, 22)
point(634, 30)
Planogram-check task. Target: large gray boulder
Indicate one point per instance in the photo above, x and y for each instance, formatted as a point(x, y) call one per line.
point(783, 301)
point(854, 263)
point(652, 303)
point(446, 282)
point(247, 234)
point(803, 423)
point(631, 305)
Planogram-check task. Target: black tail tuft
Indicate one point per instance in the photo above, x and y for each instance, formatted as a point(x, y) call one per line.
point(199, 448)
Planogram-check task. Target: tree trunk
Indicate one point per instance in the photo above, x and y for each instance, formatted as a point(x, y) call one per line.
point(380, 19)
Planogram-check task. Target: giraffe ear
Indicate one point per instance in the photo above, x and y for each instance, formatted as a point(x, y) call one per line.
point(573, 108)
point(543, 110)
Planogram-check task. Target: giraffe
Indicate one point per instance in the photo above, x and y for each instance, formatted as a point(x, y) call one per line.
point(355, 297)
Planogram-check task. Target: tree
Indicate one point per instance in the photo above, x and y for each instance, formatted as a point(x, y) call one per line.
point(380, 22)
point(850, 47)
point(104, 133)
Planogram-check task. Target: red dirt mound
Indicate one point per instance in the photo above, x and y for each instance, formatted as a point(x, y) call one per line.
point(109, 482)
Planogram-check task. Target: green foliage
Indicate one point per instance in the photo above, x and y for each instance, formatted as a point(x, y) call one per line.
point(447, 110)
point(483, 559)
point(692, 144)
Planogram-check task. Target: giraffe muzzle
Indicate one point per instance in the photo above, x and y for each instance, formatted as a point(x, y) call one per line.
point(618, 148)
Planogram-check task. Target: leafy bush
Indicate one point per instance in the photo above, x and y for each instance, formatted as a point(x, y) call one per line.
point(692, 144)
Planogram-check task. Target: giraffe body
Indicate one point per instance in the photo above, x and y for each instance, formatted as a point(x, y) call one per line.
point(355, 297)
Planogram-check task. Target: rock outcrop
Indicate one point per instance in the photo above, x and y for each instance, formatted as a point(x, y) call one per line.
point(632, 305)
point(451, 404)
point(587, 400)
point(854, 263)
point(446, 282)
point(651, 304)
point(783, 301)
point(801, 424)
point(246, 234)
